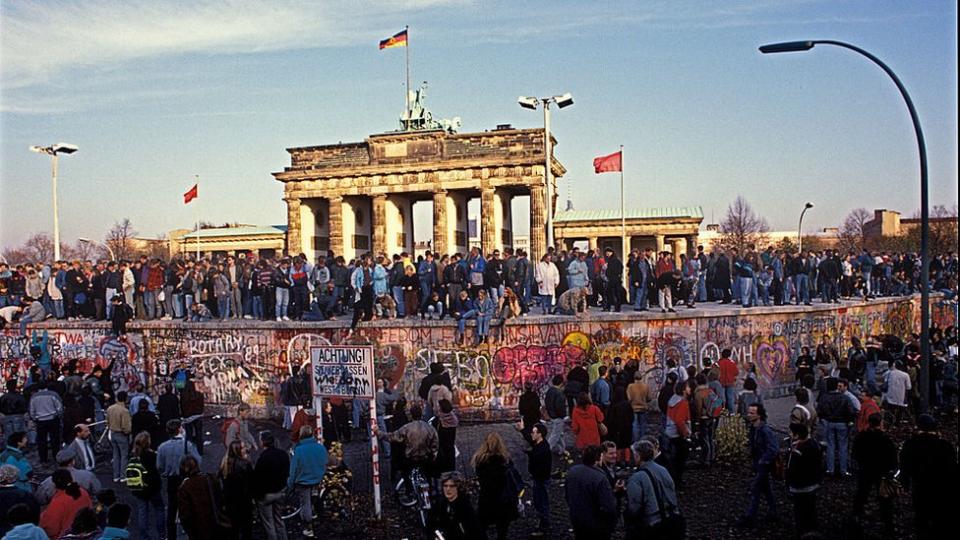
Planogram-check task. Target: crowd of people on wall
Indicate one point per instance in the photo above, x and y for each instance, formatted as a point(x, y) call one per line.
point(486, 289)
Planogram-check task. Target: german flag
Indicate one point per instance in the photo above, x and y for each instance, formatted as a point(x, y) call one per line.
point(397, 40)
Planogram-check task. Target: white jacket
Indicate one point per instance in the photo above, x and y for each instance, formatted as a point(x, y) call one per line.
point(547, 277)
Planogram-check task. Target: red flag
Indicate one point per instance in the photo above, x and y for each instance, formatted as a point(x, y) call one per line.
point(190, 195)
point(611, 163)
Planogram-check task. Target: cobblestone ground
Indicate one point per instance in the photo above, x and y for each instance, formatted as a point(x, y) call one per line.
point(712, 499)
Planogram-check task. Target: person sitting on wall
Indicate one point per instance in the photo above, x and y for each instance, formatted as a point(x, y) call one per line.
point(200, 312)
point(573, 302)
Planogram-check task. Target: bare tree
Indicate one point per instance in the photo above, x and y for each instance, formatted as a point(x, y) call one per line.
point(39, 247)
point(84, 250)
point(851, 234)
point(120, 239)
point(742, 227)
point(943, 231)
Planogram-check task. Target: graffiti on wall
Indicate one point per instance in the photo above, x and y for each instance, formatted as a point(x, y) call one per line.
point(234, 365)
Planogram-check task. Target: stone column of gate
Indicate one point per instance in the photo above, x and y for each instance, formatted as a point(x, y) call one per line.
point(440, 230)
point(538, 224)
point(379, 224)
point(335, 216)
point(660, 244)
point(488, 219)
point(293, 225)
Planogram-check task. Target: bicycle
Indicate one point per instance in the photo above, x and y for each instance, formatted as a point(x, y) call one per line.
point(414, 491)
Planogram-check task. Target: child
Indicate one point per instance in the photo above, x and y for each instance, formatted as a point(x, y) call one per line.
point(435, 307)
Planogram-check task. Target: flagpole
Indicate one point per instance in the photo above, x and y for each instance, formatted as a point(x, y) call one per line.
point(623, 218)
point(196, 213)
point(407, 30)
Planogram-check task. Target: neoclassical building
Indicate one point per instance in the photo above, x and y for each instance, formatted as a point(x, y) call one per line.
point(358, 197)
point(673, 229)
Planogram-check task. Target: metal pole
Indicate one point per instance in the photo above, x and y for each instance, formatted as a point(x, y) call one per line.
point(924, 375)
point(407, 30)
point(548, 173)
point(800, 230)
point(56, 212)
point(623, 219)
point(196, 212)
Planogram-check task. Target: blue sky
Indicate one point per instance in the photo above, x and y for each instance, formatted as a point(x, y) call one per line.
point(154, 93)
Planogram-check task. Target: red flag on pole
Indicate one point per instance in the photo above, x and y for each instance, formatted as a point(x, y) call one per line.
point(190, 195)
point(611, 163)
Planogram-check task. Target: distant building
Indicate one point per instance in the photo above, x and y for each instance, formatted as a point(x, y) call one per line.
point(265, 241)
point(822, 239)
point(673, 229)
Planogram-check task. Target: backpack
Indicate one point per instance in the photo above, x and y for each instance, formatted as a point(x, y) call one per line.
point(226, 427)
point(714, 405)
point(136, 475)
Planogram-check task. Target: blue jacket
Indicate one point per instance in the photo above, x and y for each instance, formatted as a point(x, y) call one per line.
point(577, 274)
point(479, 264)
point(26, 531)
point(309, 463)
point(427, 272)
point(379, 280)
point(486, 308)
point(764, 445)
point(13, 456)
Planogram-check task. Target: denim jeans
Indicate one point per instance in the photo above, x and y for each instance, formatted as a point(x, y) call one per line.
point(870, 374)
point(555, 435)
point(761, 486)
point(283, 301)
point(150, 516)
point(802, 283)
point(425, 289)
point(702, 287)
point(496, 293)
point(358, 406)
point(867, 286)
point(764, 294)
point(541, 502)
point(256, 306)
point(150, 303)
point(398, 298)
point(735, 286)
point(223, 306)
point(120, 443)
point(271, 516)
point(187, 304)
point(745, 284)
point(168, 300)
point(462, 323)
point(109, 307)
point(483, 325)
point(730, 397)
point(178, 306)
point(546, 303)
point(788, 286)
point(639, 296)
point(837, 434)
point(639, 425)
point(58, 309)
point(306, 505)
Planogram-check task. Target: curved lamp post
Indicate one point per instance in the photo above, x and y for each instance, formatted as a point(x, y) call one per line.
point(94, 243)
point(924, 375)
point(800, 227)
point(54, 150)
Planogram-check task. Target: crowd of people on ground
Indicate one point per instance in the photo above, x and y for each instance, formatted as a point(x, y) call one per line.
point(485, 288)
point(635, 436)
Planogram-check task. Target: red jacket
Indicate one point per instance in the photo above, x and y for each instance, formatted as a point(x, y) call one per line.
point(154, 278)
point(58, 516)
point(867, 408)
point(586, 425)
point(299, 420)
point(679, 413)
point(728, 372)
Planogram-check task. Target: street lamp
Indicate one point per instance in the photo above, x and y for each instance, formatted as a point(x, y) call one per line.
point(924, 375)
point(561, 101)
point(800, 227)
point(55, 150)
point(113, 257)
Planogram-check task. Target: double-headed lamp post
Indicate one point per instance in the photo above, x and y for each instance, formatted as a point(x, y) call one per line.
point(54, 151)
point(924, 375)
point(800, 227)
point(561, 101)
point(113, 257)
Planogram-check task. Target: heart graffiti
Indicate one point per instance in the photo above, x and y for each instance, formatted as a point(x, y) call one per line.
point(772, 356)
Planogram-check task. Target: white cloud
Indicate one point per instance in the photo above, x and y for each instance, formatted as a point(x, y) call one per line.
point(41, 40)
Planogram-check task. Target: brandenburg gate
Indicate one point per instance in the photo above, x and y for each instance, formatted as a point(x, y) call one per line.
point(358, 197)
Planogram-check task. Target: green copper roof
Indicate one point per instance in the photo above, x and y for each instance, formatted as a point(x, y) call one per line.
point(235, 231)
point(631, 213)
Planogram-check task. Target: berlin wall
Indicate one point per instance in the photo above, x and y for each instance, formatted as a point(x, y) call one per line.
point(247, 361)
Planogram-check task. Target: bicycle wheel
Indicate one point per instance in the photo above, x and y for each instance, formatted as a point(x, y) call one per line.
point(334, 501)
point(290, 505)
point(406, 496)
